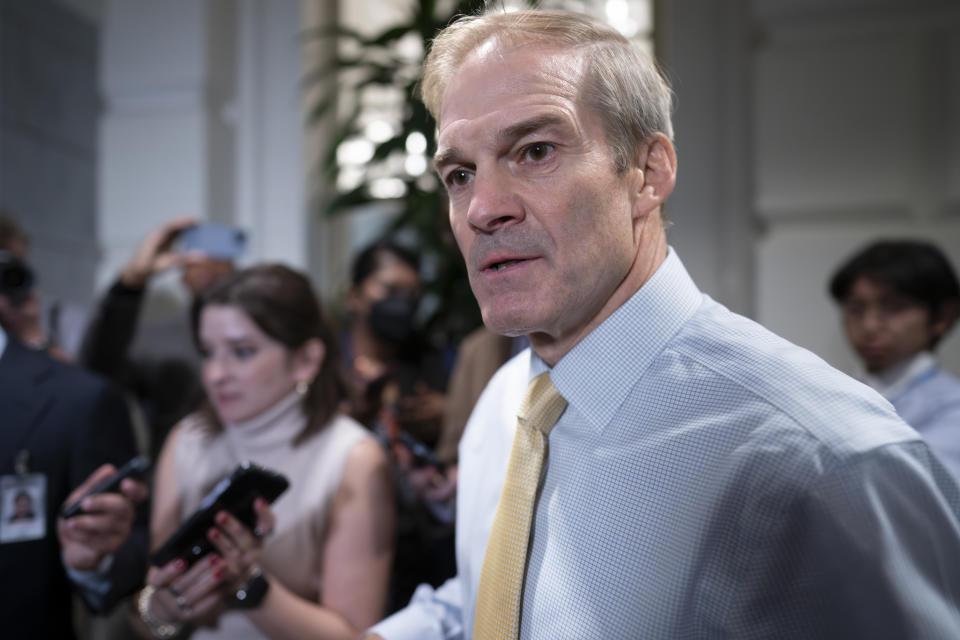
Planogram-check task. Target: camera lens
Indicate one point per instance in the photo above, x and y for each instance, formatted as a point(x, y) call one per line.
point(16, 278)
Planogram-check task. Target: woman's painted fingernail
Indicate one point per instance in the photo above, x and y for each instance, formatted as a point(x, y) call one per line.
point(221, 518)
point(179, 564)
point(214, 534)
point(218, 574)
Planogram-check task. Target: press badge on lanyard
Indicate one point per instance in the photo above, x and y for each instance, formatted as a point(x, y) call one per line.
point(23, 504)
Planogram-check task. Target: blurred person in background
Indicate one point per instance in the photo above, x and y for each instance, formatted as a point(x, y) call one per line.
point(385, 352)
point(152, 358)
point(318, 562)
point(898, 299)
point(63, 431)
point(35, 321)
point(399, 381)
point(479, 356)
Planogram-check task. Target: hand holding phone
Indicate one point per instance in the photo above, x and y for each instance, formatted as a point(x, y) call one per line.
point(134, 468)
point(234, 494)
point(422, 454)
point(218, 241)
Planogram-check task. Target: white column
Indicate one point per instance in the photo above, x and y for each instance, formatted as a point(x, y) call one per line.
point(202, 116)
point(153, 131)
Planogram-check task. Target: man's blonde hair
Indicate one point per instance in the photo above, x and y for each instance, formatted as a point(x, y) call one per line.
point(621, 82)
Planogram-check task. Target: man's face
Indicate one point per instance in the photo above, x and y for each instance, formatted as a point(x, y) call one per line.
point(885, 327)
point(543, 220)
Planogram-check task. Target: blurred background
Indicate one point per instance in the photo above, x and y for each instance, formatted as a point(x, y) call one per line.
point(805, 129)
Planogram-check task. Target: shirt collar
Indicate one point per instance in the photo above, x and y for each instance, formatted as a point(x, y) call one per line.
point(893, 381)
point(3, 341)
point(598, 373)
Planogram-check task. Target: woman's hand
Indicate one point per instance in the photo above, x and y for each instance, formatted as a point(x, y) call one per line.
point(240, 547)
point(194, 596)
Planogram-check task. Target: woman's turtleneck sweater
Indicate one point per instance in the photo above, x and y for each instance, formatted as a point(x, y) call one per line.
point(294, 551)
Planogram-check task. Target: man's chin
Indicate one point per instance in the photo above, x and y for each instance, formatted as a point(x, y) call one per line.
point(507, 324)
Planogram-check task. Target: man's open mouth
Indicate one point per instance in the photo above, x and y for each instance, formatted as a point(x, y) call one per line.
point(500, 266)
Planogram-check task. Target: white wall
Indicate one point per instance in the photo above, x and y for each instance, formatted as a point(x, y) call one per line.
point(202, 116)
point(856, 119)
point(806, 128)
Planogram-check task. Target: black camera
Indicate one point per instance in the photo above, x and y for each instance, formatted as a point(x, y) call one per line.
point(16, 278)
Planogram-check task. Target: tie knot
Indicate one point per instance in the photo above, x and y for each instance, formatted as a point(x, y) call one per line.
point(542, 406)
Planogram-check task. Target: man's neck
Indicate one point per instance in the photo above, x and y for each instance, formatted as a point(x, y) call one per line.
point(650, 256)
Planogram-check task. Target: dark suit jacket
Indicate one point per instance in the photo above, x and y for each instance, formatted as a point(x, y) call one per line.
point(70, 422)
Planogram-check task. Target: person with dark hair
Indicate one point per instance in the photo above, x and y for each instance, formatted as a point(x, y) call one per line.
point(399, 384)
point(152, 358)
point(22, 507)
point(655, 465)
point(34, 321)
point(898, 299)
point(319, 558)
point(382, 346)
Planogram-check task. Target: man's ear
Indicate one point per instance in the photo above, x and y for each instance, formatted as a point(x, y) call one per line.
point(949, 312)
point(308, 359)
point(658, 161)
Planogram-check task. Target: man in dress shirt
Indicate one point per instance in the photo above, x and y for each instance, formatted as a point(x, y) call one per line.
point(707, 478)
point(899, 298)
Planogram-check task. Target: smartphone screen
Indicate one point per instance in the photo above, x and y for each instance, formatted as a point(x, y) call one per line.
point(218, 241)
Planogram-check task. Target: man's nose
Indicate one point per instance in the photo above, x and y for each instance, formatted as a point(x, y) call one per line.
point(872, 320)
point(494, 202)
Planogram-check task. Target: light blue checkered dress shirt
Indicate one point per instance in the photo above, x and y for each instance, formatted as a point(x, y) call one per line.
point(707, 480)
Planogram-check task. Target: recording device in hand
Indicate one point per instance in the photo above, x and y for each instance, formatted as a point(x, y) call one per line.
point(422, 454)
point(234, 494)
point(218, 241)
point(16, 277)
point(134, 468)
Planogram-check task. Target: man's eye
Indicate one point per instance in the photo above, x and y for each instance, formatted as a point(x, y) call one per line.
point(537, 151)
point(853, 309)
point(458, 177)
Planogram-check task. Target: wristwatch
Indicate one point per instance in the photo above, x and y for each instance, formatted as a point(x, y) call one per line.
point(251, 593)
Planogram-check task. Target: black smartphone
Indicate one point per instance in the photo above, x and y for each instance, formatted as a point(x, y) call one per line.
point(134, 468)
point(422, 454)
point(234, 494)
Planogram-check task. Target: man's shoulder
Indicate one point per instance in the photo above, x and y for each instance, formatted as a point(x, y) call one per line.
point(34, 366)
point(795, 388)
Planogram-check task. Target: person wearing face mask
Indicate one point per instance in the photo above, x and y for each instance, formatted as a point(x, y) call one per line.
point(390, 361)
point(399, 384)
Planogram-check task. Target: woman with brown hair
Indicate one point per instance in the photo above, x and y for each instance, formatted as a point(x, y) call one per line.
point(318, 561)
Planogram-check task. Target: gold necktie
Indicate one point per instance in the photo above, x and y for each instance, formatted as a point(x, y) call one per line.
point(505, 559)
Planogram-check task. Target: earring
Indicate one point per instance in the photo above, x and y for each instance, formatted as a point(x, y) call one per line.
point(302, 387)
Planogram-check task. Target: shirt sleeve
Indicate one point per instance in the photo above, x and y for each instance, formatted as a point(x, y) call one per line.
point(433, 614)
point(870, 549)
